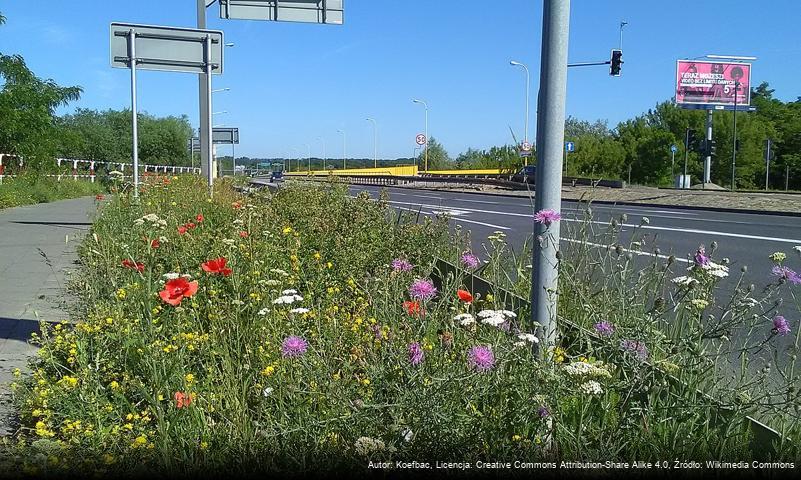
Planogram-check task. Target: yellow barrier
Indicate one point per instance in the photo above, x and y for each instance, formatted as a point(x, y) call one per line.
point(491, 171)
point(395, 171)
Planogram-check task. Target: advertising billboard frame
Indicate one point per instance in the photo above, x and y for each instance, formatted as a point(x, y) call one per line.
point(711, 104)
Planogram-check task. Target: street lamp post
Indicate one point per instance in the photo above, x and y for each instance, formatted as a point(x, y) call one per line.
point(734, 141)
point(344, 152)
point(375, 142)
point(528, 83)
point(321, 139)
point(425, 168)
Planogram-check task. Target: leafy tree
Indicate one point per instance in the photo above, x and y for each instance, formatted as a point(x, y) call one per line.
point(27, 110)
point(438, 158)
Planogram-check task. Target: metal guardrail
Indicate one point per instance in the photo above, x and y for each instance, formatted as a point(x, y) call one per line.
point(394, 180)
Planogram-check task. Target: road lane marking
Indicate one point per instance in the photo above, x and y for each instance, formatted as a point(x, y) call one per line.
point(497, 227)
point(645, 227)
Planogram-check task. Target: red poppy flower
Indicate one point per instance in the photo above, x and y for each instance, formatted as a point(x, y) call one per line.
point(216, 267)
point(166, 181)
point(155, 243)
point(181, 230)
point(464, 296)
point(183, 399)
point(236, 205)
point(175, 290)
point(100, 197)
point(190, 225)
point(200, 218)
point(138, 266)
point(244, 234)
point(413, 308)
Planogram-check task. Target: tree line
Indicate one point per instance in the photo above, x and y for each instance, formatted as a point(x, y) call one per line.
point(638, 148)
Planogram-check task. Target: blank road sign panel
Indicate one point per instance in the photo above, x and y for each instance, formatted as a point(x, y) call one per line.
point(166, 48)
point(225, 136)
point(307, 11)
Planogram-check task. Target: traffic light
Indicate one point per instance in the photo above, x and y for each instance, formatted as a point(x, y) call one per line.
point(711, 148)
point(690, 140)
point(615, 63)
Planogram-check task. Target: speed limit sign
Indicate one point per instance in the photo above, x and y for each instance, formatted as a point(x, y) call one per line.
point(526, 146)
point(420, 139)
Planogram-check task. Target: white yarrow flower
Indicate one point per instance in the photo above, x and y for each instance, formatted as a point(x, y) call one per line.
point(287, 299)
point(264, 311)
point(464, 319)
point(299, 310)
point(289, 292)
point(529, 337)
point(591, 387)
point(229, 241)
point(171, 275)
point(272, 283)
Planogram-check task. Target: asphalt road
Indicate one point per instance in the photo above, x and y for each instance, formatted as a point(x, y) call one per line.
point(743, 238)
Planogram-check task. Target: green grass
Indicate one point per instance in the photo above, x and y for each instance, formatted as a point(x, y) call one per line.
point(32, 189)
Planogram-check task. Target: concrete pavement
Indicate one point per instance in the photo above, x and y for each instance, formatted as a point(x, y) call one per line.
point(37, 247)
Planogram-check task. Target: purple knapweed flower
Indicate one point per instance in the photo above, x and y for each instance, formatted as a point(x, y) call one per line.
point(543, 411)
point(604, 328)
point(401, 265)
point(547, 217)
point(423, 289)
point(481, 358)
point(416, 353)
point(787, 274)
point(781, 325)
point(294, 346)
point(469, 260)
point(701, 258)
point(638, 349)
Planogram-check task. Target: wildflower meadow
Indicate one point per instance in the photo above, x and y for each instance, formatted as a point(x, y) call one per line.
point(307, 330)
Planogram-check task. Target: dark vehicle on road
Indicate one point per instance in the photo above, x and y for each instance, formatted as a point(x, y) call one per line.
point(277, 173)
point(526, 174)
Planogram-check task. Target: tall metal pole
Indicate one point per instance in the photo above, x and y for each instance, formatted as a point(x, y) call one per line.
point(767, 163)
point(672, 161)
point(686, 154)
point(134, 115)
point(528, 84)
point(233, 155)
point(425, 105)
point(344, 152)
point(550, 142)
point(375, 142)
point(207, 129)
point(734, 139)
point(708, 159)
point(322, 140)
point(204, 94)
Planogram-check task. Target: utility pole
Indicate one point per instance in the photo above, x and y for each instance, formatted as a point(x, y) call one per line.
point(686, 154)
point(767, 163)
point(734, 139)
point(708, 159)
point(550, 142)
point(204, 89)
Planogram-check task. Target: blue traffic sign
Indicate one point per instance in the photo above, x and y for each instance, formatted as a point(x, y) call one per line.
point(674, 148)
point(570, 147)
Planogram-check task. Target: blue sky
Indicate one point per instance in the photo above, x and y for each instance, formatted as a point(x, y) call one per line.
point(292, 83)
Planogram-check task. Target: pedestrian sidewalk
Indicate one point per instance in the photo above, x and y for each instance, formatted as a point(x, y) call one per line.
point(37, 246)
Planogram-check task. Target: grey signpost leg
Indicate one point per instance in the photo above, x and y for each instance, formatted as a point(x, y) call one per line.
point(550, 134)
point(204, 90)
point(134, 119)
point(207, 129)
point(708, 160)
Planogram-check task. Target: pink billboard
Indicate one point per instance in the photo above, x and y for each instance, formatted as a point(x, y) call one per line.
point(712, 83)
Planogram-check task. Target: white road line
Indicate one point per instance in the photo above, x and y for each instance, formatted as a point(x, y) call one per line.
point(636, 252)
point(498, 227)
point(476, 201)
point(648, 227)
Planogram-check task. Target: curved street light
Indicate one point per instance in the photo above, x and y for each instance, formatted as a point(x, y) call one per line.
point(528, 82)
point(424, 104)
point(375, 142)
